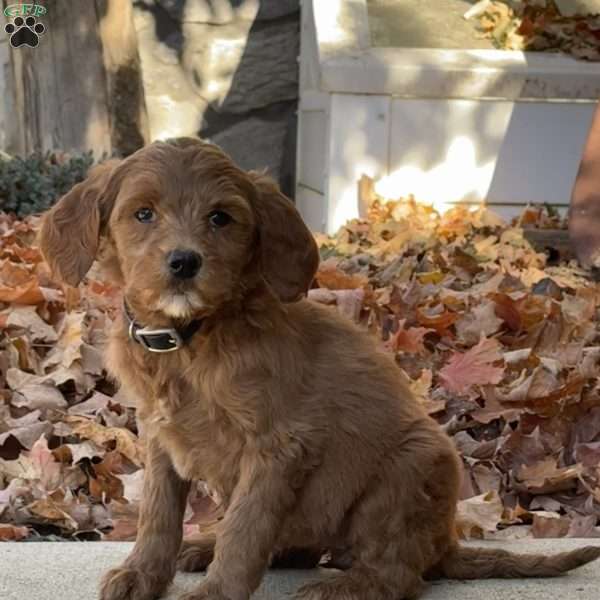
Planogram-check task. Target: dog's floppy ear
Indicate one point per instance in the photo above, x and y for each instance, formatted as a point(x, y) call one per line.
point(70, 232)
point(288, 252)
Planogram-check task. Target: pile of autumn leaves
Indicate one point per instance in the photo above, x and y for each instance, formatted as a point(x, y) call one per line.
point(538, 25)
point(502, 350)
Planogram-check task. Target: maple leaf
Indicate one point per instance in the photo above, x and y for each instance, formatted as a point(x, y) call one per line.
point(544, 476)
point(474, 367)
point(409, 339)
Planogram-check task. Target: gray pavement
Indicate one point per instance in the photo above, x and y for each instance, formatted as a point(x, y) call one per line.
point(71, 571)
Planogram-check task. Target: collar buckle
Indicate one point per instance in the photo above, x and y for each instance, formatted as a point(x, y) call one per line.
point(167, 339)
point(156, 340)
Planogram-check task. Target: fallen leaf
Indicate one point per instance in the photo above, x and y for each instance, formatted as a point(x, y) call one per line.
point(133, 485)
point(544, 477)
point(70, 340)
point(45, 466)
point(12, 533)
point(25, 293)
point(125, 442)
point(549, 525)
point(480, 322)
point(39, 396)
point(28, 433)
point(85, 449)
point(409, 339)
point(479, 514)
point(330, 277)
point(28, 318)
point(439, 322)
point(91, 406)
point(474, 367)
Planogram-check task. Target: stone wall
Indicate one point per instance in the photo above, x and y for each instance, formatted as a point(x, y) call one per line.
point(226, 70)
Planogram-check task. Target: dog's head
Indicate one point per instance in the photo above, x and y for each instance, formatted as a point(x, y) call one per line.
point(185, 229)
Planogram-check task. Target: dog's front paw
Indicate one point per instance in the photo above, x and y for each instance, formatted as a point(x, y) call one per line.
point(131, 584)
point(209, 590)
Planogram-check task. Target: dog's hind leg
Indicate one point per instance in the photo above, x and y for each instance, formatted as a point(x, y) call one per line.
point(398, 528)
point(297, 558)
point(196, 555)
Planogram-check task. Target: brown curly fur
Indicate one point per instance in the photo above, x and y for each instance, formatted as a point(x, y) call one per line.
point(288, 411)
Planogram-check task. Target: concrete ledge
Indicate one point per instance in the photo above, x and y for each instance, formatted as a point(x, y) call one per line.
point(71, 571)
point(343, 59)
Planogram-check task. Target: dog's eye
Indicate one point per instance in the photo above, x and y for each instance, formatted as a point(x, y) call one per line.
point(144, 215)
point(218, 218)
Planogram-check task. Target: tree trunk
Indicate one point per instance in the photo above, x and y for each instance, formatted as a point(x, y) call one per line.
point(81, 88)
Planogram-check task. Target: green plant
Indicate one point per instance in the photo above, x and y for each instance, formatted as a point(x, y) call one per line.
point(33, 183)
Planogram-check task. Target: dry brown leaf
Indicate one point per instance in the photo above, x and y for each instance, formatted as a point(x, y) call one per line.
point(47, 510)
point(438, 322)
point(45, 466)
point(86, 449)
point(133, 485)
point(549, 525)
point(70, 340)
point(487, 477)
point(105, 484)
point(91, 406)
point(330, 277)
point(12, 533)
point(479, 514)
point(493, 409)
point(28, 433)
point(480, 322)
point(474, 367)
point(25, 293)
point(27, 318)
point(545, 477)
point(36, 396)
point(125, 442)
point(539, 384)
point(409, 340)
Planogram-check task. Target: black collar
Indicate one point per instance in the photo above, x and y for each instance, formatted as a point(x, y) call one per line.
point(159, 340)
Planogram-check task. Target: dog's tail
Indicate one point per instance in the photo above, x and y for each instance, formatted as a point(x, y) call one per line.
point(483, 563)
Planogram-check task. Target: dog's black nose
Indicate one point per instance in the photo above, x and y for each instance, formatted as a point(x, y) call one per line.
point(184, 264)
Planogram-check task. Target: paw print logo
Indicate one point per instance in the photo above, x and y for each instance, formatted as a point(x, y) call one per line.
point(24, 32)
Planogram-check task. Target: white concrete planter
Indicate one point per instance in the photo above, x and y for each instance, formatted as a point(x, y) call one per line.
point(446, 125)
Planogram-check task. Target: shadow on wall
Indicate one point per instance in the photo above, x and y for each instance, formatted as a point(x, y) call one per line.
point(451, 149)
point(225, 70)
